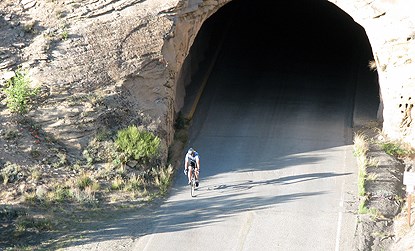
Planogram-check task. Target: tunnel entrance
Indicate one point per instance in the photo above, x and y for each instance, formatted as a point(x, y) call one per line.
point(304, 39)
point(284, 82)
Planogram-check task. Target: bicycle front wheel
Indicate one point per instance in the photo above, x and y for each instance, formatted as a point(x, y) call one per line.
point(192, 187)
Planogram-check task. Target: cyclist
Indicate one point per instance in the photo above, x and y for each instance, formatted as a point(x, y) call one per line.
point(192, 159)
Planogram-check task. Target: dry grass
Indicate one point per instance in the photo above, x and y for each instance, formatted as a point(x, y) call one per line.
point(360, 149)
point(361, 144)
point(372, 65)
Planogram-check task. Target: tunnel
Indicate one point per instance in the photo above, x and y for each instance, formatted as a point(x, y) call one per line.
point(308, 40)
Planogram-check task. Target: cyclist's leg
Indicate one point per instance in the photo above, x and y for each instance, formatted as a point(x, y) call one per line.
point(197, 173)
point(197, 176)
point(189, 173)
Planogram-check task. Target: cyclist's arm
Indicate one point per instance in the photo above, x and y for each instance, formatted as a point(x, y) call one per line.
point(186, 162)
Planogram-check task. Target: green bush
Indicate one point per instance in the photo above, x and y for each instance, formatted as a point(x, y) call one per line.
point(60, 194)
point(18, 92)
point(138, 144)
point(395, 149)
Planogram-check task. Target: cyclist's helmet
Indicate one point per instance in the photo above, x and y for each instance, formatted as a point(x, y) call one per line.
point(191, 151)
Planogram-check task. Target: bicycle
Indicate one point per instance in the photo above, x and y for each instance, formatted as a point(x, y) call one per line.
point(193, 180)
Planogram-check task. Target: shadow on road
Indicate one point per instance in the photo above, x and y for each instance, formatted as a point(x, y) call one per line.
point(205, 212)
point(229, 199)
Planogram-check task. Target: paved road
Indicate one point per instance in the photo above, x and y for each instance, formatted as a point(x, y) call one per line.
point(277, 164)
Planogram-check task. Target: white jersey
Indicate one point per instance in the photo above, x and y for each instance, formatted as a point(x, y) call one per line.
point(191, 158)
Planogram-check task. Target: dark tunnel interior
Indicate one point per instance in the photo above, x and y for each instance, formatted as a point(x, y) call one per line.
point(295, 38)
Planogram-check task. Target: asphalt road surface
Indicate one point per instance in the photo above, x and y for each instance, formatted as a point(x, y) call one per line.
point(278, 173)
point(276, 166)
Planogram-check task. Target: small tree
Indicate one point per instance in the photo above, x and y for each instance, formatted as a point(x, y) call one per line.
point(18, 92)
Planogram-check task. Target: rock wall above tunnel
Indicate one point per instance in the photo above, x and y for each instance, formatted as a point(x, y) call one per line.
point(390, 26)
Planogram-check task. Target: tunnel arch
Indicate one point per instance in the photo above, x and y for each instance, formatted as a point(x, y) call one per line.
point(318, 32)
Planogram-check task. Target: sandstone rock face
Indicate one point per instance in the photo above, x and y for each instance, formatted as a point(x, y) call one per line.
point(110, 63)
point(390, 27)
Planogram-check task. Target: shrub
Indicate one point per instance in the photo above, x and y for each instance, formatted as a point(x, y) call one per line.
point(138, 144)
point(118, 183)
point(60, 194)
point(35, 175)
point(35, 153)
point(85, 196)
point(395, 149)
point(83, 181)
point(8, 213)
point(30, 198)
point(88, 156)
point(162, 177)
point(134, 183)
point(18, 92)
point(64, 34)
point(11, 134)
point(63, 160)
point(10, 172)
point(28, 223)
point(361, 183)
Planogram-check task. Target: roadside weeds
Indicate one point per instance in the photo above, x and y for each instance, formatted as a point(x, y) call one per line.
point(382, 198)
